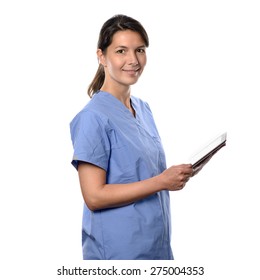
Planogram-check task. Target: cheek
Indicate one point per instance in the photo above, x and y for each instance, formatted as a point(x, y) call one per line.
point(142, 60)
point(115, 65)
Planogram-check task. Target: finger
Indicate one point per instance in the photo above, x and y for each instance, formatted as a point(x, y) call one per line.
point(189, 170)
point(179, 188)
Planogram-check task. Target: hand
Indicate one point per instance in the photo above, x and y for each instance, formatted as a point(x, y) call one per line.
point(175, 177)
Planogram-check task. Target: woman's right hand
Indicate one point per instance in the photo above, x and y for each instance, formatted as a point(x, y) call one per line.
point(175, 177)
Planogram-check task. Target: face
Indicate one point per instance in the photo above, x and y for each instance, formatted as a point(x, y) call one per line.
point(124, 59)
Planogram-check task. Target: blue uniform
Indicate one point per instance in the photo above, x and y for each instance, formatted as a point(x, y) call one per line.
point(128, 148)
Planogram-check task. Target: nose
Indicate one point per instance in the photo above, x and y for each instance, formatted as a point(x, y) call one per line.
point(132, 59)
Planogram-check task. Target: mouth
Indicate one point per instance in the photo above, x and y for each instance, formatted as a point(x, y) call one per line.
point(132, 71)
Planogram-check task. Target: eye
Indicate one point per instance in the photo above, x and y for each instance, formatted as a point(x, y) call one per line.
point(141, 50)
point(120, 51)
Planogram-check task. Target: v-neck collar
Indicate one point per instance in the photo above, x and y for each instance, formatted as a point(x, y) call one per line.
point(116, 105)
point(119, 105)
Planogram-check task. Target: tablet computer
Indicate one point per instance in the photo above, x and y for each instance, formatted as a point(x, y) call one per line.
point(208, 150)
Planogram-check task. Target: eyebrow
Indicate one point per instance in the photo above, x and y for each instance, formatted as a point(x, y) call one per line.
point(124, 47)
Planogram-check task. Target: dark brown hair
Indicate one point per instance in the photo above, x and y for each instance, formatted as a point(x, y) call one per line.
point(109, 28)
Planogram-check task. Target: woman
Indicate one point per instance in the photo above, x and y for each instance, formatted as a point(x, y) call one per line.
point(119, 156)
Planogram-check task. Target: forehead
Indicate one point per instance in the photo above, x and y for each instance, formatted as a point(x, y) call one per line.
point(127, 38)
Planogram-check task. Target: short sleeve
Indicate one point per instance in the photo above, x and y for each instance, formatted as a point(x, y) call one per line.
point(90, 140)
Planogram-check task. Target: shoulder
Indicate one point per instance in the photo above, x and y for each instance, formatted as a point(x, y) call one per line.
point(93, 109)
point(88, 118)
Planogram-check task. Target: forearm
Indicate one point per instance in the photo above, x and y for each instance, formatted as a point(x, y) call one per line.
point(115, 195)
point(99, 195)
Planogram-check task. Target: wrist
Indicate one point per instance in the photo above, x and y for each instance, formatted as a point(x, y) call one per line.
point(161, 182)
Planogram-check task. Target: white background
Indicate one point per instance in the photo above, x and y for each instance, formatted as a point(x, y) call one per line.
point(202, 78)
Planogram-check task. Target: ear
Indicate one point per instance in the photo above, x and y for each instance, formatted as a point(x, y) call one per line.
point(101, 57)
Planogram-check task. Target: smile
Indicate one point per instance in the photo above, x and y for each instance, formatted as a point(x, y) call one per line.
point(131, 71)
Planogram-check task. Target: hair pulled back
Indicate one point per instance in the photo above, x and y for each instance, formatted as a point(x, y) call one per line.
point(109, 28)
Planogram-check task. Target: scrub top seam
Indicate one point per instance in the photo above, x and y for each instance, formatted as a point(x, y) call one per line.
point(102, 234)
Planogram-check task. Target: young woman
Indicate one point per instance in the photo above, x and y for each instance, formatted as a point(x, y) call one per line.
point(119, 157)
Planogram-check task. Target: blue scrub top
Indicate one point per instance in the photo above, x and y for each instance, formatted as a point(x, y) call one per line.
point(128, 148)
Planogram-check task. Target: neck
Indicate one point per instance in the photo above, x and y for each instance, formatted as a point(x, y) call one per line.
point(121, 94)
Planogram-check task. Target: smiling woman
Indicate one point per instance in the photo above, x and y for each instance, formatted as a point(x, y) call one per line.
point(119, 156)
point(123, 62)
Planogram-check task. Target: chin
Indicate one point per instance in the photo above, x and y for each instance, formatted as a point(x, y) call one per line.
point(132, 81)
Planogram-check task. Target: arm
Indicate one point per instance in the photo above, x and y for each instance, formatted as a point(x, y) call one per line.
point(97, 194)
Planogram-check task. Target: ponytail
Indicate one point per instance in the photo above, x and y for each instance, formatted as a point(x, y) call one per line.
point(97, 82)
